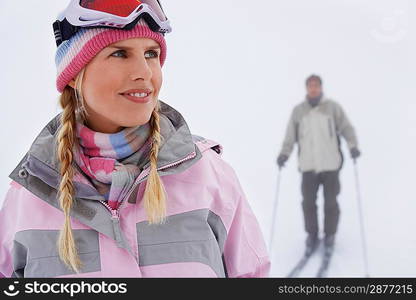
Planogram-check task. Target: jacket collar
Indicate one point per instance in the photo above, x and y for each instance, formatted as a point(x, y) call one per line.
point(323, 100)
point(38, 171)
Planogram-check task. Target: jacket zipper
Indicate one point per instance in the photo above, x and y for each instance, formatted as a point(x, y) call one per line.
point(331, 133)
point(115, 218)
point(146, 172)
point(115, 213)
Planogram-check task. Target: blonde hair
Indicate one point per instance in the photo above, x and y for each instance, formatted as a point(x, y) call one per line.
point(72, 103)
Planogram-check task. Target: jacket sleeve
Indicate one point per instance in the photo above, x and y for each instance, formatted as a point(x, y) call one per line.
point(245, 252)
point(344, 127)
point(291, 135)
point(8, 216)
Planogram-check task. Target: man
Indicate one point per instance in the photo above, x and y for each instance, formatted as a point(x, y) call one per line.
point(316, 125)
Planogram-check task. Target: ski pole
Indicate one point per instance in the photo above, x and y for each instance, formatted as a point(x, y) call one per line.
point(274, 211)
point(358, 190)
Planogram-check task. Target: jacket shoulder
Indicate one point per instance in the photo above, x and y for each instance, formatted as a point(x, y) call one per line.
point(214, 164)
point(299, 107)
point(204, 144)
point(16, 193)
point(333, 106)
point(299, 110)
point(331, 102)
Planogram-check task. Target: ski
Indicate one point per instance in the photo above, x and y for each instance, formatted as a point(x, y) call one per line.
point(302, 263)
point(299, 266)
point(323, 269)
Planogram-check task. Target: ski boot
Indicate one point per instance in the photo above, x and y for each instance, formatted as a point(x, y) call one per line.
point(312, 243)
point(329, 243)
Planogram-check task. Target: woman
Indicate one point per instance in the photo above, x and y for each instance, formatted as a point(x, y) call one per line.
point(116, 185)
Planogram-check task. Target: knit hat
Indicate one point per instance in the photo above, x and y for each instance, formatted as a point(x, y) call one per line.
point(74, 54)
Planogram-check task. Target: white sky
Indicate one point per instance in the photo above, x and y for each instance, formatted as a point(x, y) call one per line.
point(235, 72)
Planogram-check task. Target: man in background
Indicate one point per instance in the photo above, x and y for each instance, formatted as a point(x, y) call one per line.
point(316, 125)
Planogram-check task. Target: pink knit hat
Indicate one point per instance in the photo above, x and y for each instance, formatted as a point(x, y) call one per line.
point(74, 54)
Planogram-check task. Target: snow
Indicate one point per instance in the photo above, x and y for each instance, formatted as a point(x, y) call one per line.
point(236, 75)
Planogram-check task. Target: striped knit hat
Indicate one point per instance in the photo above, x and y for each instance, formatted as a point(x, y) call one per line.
point(74, 54)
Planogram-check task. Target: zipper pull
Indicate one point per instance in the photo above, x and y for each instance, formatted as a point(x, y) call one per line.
point(115, 218)
point(114, 214)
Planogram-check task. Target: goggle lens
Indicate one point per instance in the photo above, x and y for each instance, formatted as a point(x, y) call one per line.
point(121, 8)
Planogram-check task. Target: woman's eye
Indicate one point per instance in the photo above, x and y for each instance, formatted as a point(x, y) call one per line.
point(151, 54)
point(119, 53)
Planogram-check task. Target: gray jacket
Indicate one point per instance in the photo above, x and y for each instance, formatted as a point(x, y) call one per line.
point(316, 130)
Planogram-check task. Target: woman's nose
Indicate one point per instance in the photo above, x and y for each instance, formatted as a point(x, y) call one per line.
point(141, 70)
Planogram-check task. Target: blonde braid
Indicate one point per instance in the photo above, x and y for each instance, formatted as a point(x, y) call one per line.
point(66, 141)
point(155, 195)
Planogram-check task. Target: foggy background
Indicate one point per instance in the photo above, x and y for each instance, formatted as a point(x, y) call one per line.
point(235, 70)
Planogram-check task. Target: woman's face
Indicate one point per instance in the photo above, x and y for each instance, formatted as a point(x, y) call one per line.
point(121, 85)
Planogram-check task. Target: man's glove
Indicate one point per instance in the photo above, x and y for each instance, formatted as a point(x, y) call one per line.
point(355, 153)
point(281, 160)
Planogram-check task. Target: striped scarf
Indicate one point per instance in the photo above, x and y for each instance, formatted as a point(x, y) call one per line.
point(112, 161)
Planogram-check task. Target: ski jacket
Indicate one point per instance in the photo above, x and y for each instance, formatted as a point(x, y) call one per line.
point(210, 229)
point(316, 130)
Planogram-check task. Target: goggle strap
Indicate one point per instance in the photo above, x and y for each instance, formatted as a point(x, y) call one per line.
point(63, 31)
point(161, 8)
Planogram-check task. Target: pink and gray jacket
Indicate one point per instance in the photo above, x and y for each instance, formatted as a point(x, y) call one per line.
point(210, 230)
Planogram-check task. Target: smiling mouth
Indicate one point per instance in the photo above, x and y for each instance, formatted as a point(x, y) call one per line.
point(138, 97)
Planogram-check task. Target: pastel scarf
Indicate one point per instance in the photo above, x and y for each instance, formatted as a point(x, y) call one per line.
point(112, 161)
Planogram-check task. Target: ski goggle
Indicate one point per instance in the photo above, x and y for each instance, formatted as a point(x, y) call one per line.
point(120, 14)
